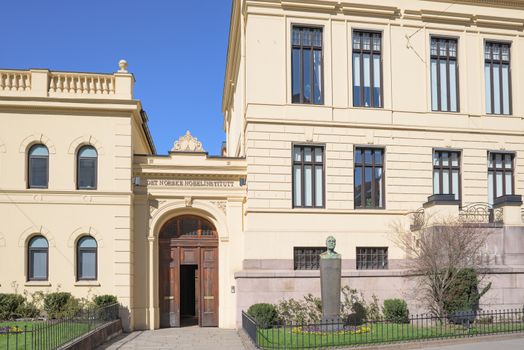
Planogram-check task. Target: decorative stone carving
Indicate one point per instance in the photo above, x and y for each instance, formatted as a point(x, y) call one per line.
point(187, 143)
point(188, 201)
point(220, 205)
point(122, 65)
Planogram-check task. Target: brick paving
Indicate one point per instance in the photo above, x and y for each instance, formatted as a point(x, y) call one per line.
point(194, 338)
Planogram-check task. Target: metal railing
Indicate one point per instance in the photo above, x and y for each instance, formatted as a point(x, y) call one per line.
point(51, 334)
point(382, 331)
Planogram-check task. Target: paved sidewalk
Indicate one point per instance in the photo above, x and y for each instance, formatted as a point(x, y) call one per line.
point(194, 338)
point(510, 344)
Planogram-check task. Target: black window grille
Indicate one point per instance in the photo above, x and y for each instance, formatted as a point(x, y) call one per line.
point(38, 259)
point(444, 75)
point(369, 178)
point(497, 72)
point(501, 181)
point(367, 69)
point(446, 173)
point(87, 168)
point(307, 258)
point(372, 258)
point(306, 65)
point(38, 167)
point(308, 177)
point(87, 262)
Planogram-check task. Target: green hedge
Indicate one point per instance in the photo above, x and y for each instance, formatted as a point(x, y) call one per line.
point(396, 310)
point(265, 314)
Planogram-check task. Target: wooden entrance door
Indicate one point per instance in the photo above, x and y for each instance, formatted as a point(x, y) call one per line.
point(209, 287)
point(180, 246)
point(169, 283)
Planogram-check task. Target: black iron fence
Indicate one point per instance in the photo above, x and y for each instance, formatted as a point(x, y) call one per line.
point(412, 328)
point(51, 334)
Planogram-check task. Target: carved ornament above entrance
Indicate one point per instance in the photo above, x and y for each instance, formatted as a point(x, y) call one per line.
point(187, 143)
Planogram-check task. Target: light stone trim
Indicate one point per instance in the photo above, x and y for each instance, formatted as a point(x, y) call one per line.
point(2, 147)
point(31, 231)
point(85, 84)
point(15, 81)
point(85, 140)
point(34, 139)
point(202, 208)
point(2, 240)
point(85, 231)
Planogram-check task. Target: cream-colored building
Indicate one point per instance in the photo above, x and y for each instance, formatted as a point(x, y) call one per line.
point(341, 118)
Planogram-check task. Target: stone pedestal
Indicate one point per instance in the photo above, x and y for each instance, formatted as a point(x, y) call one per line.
point(330, 272)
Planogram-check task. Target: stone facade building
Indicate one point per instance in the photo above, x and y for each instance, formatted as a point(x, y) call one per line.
point(341, 119)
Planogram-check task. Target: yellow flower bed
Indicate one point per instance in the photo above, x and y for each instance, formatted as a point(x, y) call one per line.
point(353, 330)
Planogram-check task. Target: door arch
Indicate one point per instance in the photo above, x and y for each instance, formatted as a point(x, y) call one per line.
point(188, 271)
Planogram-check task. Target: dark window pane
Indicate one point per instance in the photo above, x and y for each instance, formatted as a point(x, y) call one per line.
point(372, 258)
point(378, 188)
point(189, 226)
point(367, 156)
point(88, 264)
point(307, 258)
point(378, 157)
point(38, 172)
point(308, 176)
point(357, 82)
point(317, 79)
point(306, 66)
point(368, 178)
point(358, 156)
point(306, 61)
point(296, 75)
point(39, 264)
point(87, 173)
point(38, 242)
point(358, 186)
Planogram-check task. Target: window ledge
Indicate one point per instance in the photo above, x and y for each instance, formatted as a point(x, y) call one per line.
point(87, 284)
point(37, 284)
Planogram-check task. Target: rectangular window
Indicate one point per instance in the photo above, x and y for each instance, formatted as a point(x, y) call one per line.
point(367, 69)
point(500, 175)
point(308, 176)
point(307, 258)
point(306, 65)
point(369, 178)
point(497, 61)
point(446, 173)
point(444, 75)
point(372, 258)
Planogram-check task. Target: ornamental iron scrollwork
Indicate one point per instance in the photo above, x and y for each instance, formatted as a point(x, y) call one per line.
point(417, 219)
point(479, 213)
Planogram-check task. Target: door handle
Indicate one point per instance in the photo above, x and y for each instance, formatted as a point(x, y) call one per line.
point(169, 297)
point(209, 297)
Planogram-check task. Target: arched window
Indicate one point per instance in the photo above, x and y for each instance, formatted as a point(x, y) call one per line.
point(86, 172)
point(86, 259)
point(188, 226)
point(38, 256)
point(38, 167)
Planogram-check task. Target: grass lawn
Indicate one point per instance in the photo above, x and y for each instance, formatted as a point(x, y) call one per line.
point(41, 335)
point(275, 338)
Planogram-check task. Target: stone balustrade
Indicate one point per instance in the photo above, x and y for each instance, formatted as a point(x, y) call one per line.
point(13, 81)
point(76, 83)
point(45, 83)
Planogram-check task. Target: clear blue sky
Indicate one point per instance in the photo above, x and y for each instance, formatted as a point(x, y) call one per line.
point(176, 50)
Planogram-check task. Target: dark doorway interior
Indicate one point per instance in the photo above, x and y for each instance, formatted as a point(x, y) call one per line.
point(189, 295)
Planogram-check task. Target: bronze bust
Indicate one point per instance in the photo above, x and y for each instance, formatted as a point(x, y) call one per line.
point(330, 253)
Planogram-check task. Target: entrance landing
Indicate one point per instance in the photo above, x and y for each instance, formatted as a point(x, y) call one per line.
point(194, 338)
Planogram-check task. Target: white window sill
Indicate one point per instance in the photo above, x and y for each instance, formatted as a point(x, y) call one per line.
point(87, 284)
point(37, 284)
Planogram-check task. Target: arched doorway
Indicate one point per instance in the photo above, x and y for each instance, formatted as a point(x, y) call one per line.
point(188, 268)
